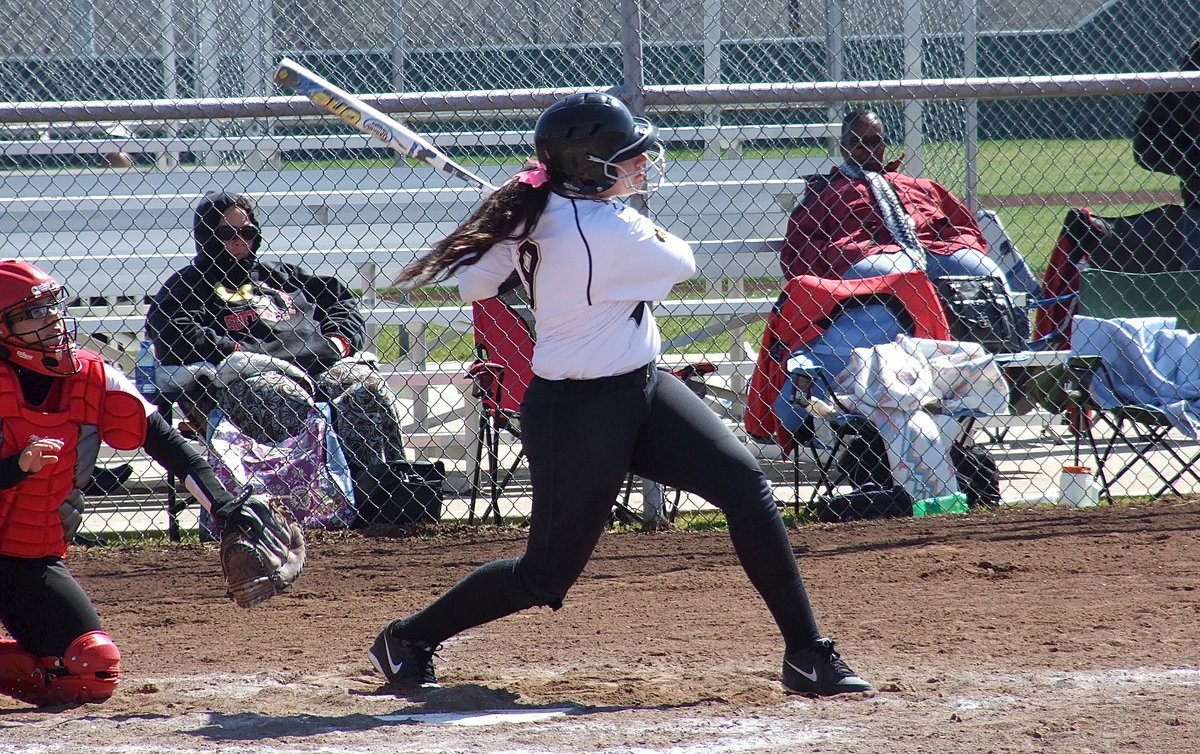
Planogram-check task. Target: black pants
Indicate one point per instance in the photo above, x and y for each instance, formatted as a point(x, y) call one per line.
point(582, 437)
point(42, 606)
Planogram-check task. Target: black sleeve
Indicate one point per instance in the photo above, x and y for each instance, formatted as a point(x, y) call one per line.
point(178, 323)
point(336, 307)
point(10, 471)
point(175, 454)
point(1154, 135)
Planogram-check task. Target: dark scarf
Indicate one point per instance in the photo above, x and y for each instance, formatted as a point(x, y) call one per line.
point(897, 220)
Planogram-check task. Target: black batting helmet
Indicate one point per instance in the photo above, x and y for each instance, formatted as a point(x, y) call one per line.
point(582, 137)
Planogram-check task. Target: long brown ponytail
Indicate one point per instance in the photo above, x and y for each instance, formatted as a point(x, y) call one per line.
point(510, 213)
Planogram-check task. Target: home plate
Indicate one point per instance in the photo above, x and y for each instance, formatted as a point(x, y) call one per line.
point(484, 717)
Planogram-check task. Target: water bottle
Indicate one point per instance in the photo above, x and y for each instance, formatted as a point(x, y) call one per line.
point(144, 369)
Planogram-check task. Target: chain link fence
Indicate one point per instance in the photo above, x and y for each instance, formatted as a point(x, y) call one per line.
point(122, 116)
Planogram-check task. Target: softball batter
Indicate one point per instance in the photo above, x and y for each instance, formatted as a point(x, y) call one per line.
point(597, 407)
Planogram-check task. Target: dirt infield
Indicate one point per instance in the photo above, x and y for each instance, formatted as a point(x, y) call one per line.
point(1025, 630)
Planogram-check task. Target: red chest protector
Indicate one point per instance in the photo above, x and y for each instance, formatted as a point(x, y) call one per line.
point(807, 307)
point(30, 526)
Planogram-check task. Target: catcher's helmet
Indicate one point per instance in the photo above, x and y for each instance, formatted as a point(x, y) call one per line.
point(581, 138)
point(46, 344)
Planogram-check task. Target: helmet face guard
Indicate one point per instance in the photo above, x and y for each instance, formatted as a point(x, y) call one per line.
point(35, 332)
point(649, 177)
point(583, 138)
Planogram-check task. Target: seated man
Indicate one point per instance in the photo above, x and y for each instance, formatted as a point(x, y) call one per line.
point(293, 336)
point(865, 219)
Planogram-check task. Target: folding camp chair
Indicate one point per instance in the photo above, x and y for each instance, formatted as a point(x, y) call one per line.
point(1146, 243)
point(500, 375)
point(1003, 250)
point(1139, 429)
point(1141, 393)
point(850, 431)
point(502, 371)
point(806, 309)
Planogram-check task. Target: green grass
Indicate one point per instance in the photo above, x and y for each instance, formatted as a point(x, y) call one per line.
point(701, 521)
point(1014, 167)
point(1045, 166)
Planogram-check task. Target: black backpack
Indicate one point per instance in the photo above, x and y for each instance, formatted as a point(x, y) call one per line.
point(863, 463)
point(399, 493)
point(865, 503)
point(863, 459)
point(978, 475)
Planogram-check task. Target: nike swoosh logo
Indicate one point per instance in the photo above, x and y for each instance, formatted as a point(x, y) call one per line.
point(387, 651)
point(811, 675)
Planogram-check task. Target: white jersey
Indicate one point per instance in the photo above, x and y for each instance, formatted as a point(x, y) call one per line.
point(592, 270)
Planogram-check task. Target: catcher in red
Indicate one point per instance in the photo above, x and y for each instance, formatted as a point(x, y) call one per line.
point(57, 404)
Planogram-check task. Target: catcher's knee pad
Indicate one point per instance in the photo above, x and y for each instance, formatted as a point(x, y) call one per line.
point(88, 671)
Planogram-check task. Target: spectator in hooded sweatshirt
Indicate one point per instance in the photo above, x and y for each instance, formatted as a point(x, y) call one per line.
point(294, 337)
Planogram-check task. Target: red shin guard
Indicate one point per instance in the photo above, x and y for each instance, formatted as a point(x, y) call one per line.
point(88, 671)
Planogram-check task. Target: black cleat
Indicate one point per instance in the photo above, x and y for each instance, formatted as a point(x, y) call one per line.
point(403, 662)
point(817, 670)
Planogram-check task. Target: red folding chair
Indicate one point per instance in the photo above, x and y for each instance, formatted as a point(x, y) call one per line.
point(502, 371)
point(500, 374)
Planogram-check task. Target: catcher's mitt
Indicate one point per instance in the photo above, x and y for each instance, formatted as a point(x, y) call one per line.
point(262, 548)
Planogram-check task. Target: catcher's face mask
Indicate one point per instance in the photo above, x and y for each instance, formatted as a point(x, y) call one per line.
point(35, 333)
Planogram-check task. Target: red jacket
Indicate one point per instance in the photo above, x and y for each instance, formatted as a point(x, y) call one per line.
point(838, 223)
point(806, 308)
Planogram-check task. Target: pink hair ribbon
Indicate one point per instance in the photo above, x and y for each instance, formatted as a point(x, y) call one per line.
point(533, 174)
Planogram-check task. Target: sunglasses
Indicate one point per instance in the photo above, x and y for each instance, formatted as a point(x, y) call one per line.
point(873, 142)
point(40, 308)
point(248, 233)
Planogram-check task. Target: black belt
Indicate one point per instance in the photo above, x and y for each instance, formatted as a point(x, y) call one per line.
point(639, 376)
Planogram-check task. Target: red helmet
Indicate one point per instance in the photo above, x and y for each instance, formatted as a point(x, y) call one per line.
point(27, 293)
